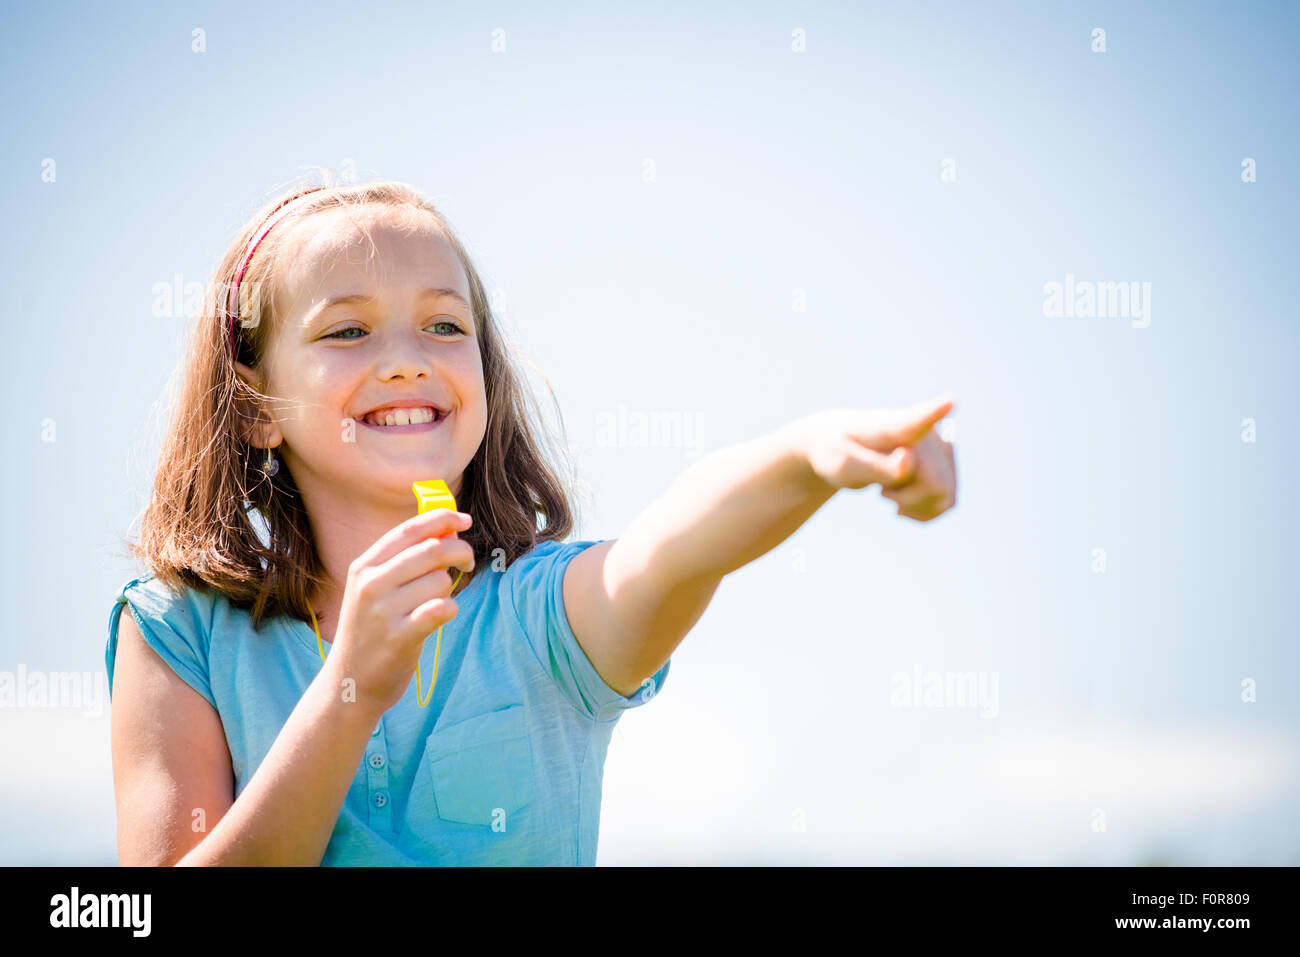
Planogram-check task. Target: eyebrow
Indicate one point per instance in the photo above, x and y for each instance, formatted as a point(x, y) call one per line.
point(361, 299)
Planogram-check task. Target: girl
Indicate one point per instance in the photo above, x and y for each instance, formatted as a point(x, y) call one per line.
point(264, 709)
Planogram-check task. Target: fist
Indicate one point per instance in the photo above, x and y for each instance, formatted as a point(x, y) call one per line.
point(931, 488)
point(896, 449)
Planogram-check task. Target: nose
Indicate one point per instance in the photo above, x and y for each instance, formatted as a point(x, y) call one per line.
point(404, 356)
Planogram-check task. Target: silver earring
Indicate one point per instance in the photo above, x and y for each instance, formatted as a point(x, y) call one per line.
point(272, 464)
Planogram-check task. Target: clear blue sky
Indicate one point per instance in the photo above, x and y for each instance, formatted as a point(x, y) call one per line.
point(781, 179)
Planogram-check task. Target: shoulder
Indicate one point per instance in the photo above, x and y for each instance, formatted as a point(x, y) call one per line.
point(186, 609)
point(175, 622)
point(541, 568)
point(533, 584)
point(549, 551)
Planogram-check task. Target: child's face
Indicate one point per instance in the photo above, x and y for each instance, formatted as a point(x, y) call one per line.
point(329, 366)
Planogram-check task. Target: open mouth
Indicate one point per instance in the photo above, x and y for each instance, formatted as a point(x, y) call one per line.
point(404, 420)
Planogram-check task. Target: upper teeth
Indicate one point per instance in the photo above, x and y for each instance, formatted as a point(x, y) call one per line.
point(401, 416)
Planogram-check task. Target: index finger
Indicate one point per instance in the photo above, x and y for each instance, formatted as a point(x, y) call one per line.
point(435, 523)
point(908, 425)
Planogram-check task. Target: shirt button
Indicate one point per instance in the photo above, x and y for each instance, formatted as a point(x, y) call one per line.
point(380, 799)
point(376, 760)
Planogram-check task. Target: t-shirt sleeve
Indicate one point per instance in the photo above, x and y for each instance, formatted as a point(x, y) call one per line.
point(534, 585)
point(171, 624)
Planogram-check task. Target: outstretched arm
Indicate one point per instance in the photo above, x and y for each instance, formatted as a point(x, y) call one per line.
point(631, 601)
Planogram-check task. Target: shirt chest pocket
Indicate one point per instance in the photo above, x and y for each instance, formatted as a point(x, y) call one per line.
point(481, 768)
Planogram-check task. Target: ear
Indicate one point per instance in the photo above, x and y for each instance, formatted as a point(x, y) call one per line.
point(259, 431)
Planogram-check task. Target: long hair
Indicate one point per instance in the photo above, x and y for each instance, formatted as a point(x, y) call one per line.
point(198, 529)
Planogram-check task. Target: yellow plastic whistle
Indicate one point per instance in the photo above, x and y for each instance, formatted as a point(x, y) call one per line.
point(429, 495)
point(433, 494)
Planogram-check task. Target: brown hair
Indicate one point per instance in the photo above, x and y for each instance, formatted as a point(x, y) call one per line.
point(197, 530)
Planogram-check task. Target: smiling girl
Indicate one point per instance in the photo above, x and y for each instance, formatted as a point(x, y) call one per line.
point(264, 710)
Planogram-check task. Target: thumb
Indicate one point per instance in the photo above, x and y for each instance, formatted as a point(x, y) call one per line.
point(888, 471)
point(908, 425)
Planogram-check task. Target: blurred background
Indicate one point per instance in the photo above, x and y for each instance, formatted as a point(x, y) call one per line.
point(699, 224)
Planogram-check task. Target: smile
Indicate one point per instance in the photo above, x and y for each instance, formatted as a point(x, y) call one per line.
point(408, 427)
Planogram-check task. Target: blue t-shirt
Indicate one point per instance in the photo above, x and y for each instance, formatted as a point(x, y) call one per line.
point(502, 767)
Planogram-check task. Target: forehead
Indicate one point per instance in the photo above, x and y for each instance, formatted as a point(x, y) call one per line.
point(364, 250)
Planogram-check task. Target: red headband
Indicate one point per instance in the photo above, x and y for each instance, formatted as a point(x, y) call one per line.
point(232, 302)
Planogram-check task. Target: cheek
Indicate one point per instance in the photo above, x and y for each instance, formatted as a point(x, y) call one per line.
point(473, 401)
point(468, 376)
point(328, 386)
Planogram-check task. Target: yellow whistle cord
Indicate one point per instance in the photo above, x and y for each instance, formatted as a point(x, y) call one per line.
point(320, 645)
